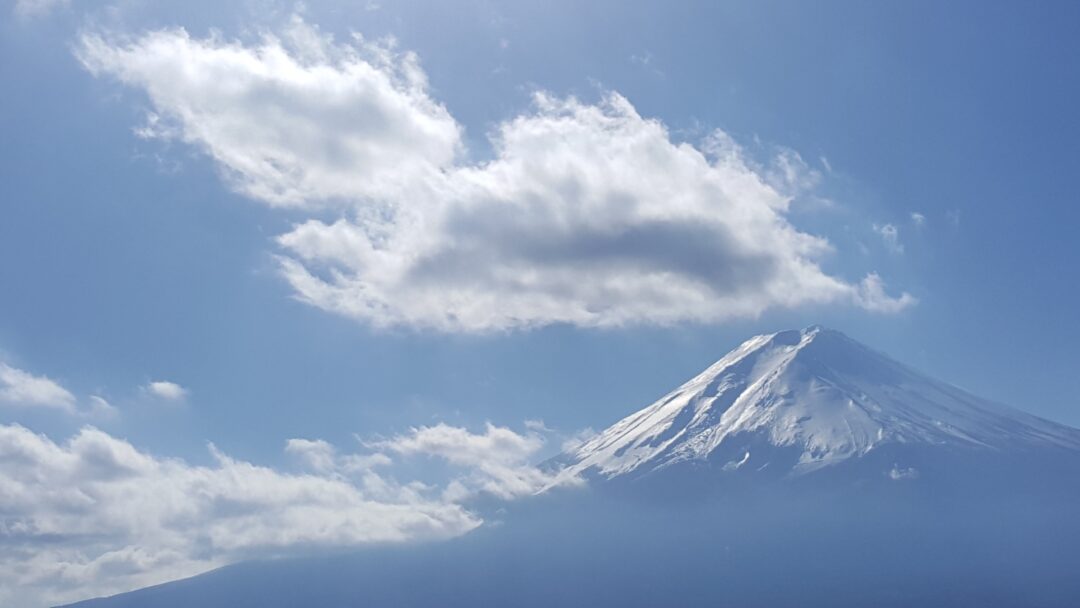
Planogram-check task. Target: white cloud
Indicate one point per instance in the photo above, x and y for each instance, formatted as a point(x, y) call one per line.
point(890, 235)
point(166, 390)
point(319, 456)
point(21, 388)
point(459, 446)
point(588, 214)
point(498, 459)
point(918, 219)
point(95, 515)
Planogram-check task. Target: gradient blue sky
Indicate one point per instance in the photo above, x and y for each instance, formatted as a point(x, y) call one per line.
point(125, 260)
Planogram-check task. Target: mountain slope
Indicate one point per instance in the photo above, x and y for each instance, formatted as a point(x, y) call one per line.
point(803, 400)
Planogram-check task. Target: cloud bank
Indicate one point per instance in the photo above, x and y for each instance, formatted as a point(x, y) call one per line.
point(586, 214)
point(96, 515)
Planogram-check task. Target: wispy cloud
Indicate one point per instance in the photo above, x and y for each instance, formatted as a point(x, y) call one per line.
point(100, 407)
point(890, 235)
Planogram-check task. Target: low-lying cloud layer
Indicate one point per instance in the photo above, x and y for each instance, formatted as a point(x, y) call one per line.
point(95, 515)
point(587, 213)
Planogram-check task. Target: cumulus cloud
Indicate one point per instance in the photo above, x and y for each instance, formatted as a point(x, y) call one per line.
point(587, 213)
point(890, 235)
point(21, 388)
point(96, 515)
point(166, 390)
point(918, 219)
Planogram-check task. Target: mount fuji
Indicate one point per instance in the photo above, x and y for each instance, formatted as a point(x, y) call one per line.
point(797, 402)
point(801, 470)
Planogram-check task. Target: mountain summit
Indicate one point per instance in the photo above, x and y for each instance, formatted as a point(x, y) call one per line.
point(799, 401)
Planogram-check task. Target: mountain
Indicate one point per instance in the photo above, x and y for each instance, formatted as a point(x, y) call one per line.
point(833, 477)
point(796, 402)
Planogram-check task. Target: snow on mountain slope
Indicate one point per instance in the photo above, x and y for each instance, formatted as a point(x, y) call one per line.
point(816, 392)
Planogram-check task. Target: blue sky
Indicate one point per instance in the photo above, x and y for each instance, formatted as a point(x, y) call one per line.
point(928, 147)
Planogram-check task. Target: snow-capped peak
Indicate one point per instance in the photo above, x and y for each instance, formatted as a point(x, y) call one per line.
point(816, 392)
